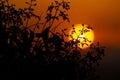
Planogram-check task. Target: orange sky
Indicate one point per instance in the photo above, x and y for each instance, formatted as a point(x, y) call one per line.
point(102, 15)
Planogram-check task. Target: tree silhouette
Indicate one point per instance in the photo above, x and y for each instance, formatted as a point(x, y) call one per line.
point(24, 50)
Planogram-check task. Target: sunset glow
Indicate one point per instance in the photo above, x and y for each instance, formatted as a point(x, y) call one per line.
point(85, 38)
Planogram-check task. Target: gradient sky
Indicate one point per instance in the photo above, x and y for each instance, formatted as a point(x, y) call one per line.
point(104, 17)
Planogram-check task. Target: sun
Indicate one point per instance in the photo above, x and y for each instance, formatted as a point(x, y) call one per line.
point(83, 34)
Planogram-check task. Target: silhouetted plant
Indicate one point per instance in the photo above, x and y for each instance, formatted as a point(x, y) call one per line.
point(23, 49)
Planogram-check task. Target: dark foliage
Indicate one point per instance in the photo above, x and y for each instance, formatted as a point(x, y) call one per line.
point(23, 50)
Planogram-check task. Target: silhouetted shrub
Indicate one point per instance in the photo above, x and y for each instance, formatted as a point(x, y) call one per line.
point(24, 50)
